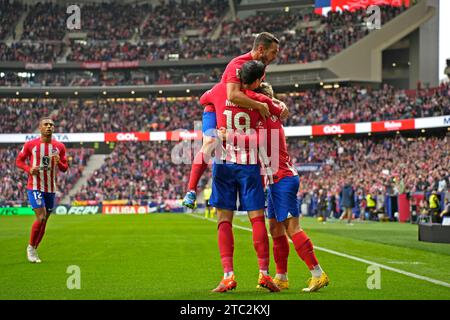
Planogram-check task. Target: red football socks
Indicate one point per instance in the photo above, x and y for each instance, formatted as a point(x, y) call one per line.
point(41, 233)
point(261, 242)
point(198, 168)
point(35, 230)
point(305, 249)
point(281, 253)
point(226, 245)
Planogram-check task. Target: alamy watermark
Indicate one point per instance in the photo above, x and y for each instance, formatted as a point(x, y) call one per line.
point(73, 22)
point(374, 280)
point(74, 280)
point(373, 21)
point(243, 146)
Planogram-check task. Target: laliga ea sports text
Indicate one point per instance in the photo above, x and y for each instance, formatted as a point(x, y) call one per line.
point(226, 310)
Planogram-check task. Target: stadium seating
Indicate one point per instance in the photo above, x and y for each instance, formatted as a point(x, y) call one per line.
point(140, 173)
point(342, 105)
point(111, 78)
point(304, 36)
point(9, 16)
point(373, 163)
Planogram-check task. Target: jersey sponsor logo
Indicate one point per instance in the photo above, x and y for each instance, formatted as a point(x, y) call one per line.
point(238, 73)
point(45, 165)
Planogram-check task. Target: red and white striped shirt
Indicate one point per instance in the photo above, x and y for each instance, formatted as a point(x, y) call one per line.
point(40, 155)
point(235, 118)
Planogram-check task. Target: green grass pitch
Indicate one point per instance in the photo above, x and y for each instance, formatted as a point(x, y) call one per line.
point(175, 257)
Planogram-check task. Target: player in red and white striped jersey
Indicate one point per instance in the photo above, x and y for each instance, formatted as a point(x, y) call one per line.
point(283, 211)
point(265, 49)
point(45, 156)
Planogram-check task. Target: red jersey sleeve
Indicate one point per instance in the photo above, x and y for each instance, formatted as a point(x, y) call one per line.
point(273, 109)
point(232, 74)
point(63, 165)
point(22, 157)
point(206, 98)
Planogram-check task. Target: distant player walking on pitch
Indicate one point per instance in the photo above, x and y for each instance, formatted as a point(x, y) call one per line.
point(44, 155)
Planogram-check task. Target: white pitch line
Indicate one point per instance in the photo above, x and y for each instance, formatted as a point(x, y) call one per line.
point(382, 266)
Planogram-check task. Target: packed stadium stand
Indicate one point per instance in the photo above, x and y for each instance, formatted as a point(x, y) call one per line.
point(304, 36)
point(140, 69)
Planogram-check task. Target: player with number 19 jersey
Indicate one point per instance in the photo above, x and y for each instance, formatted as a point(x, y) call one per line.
point(241, 173)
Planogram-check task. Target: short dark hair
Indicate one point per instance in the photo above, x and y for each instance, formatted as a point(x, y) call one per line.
point(252, 71)
point(45, 118)
point(266, 39)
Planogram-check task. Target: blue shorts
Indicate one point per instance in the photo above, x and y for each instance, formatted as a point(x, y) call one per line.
point(209, 123)
point(39, 199)
point(282, 199)
point(229, 179)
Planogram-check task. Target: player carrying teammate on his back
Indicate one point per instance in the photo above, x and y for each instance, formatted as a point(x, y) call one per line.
point(265, 49)
point(44, 155)
point(237, 171)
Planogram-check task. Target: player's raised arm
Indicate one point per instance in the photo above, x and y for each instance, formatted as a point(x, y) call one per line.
point(273, 108)
point(236, 96)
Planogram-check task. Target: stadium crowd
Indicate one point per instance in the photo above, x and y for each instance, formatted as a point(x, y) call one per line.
point(304, 36)
point(14, 181)
point(45, 22)
point(138, 172)
point(9, 15)
point(104, 21)
point(173, 18)
point(355, 104)
point(141, 172)
point(111, 78)
point(342, 105)
point(389, 165)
